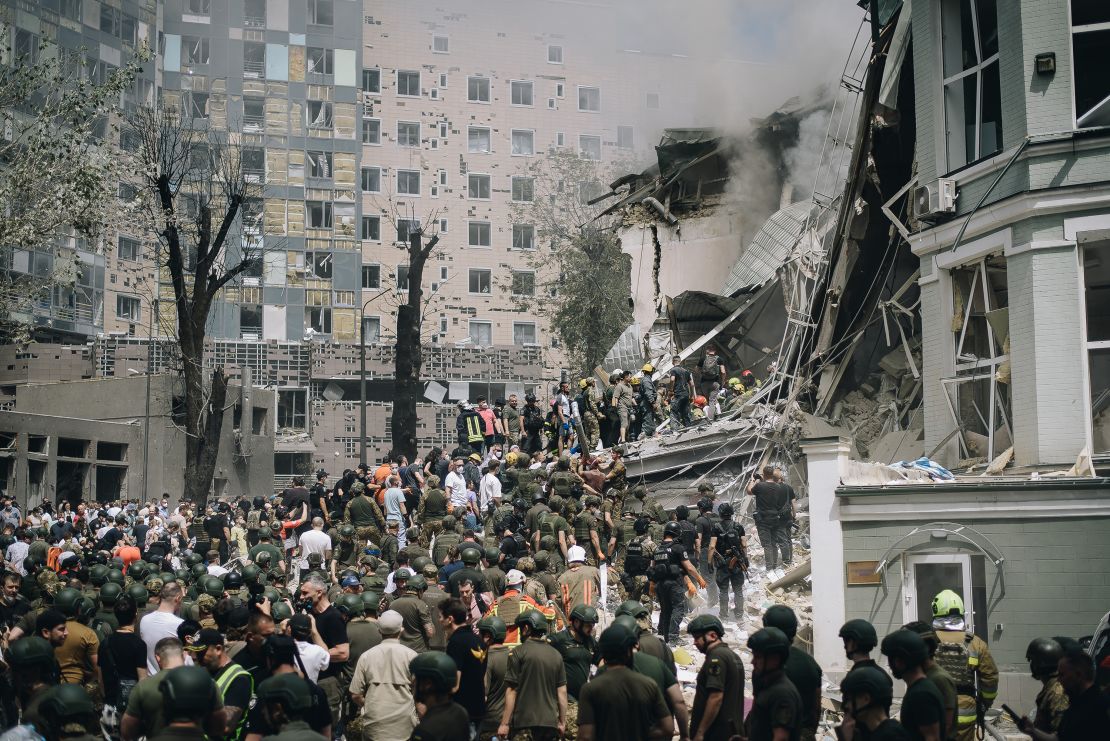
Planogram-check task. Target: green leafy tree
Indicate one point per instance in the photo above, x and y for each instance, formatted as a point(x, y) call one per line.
point(59, 172)
point(583, 279)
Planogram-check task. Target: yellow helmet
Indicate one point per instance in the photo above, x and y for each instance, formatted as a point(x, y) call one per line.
point(648, 368)
point(635, 380)
point(511, 459)
point(583, 383)
point(947, 603)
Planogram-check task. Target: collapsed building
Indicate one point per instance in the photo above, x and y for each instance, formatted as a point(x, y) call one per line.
point(937, 384)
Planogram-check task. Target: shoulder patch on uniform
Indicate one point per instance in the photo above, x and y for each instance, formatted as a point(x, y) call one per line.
point(714, 667)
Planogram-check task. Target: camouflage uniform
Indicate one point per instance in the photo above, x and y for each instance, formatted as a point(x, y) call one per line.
point(1052, 701)
point(966, 657)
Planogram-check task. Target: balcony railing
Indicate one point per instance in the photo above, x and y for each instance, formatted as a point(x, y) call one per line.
point(254, 69)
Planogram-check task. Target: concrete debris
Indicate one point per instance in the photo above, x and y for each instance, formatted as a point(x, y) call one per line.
point(998, 464)
point(796, 574)
point(903, 445)
point(860, 473)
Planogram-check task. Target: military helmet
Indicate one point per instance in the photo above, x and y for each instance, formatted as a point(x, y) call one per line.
point(213, 586)
point(437, 667)
point(907, 646)
point(109, 594)
point(633, 608)
point(67, 702)
point(115, 576)
point(419, 563)
point(862, 632)
point(430, 571)
point(287, 690)
point(585, 613)
point(31, 651)
point(593, 501)
point(869, 680)
point(617, 640)
point(84, 609)
point(193, 559)
point(769, 641)
point(641, 525)
point(66, 601)
point(233, 580)
point(1043, 655)
point(371, 598)
point(783, 618)
point(198, 571)
point(627, 621)
point(416, 583)
point(542, 559)
point(449, 522)
point(182, 575)
point(470, 556)
point(947, 604)
point(189, 692)
point(704, 623)
point(495, 626)
point(672, 529)
point(539, 495)
point(263, 559)
point(280, 611)
point(534, 619)
point(547, 543)
point(116, 563)
point(347, 530)
point(271, 594)
point(351, 605)
point(138, 593)
point(275, 527)
point(315, 559)
point(138, 570)
point(705, 504)
point(725, 510)
point(250, 573)
point(98, 575)
point(492, 554)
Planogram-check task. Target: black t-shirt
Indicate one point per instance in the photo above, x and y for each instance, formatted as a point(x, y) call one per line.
point(469, 654)
point(140, 531)
point(805, 673)
point(443, 723)
point(111, 538)
point(681, 381)
point(1087, 717)
point(889, 730)
point(318, 717)
point(771, 497)
point(922, 706)
point(256, 665)
point(333, 629)
point(293, 499)
point(128, 654)
point(214, 526)
point(10, 614)
point(316, 500)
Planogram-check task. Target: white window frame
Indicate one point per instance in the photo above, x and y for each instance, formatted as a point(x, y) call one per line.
point(408, 123)
point(948, 132)
point(443, 224)
point(489, 186)
point(910, 609)
point(631, 137)
point(327, 60)
point(582, 88)
point(133, 302)
point(560, 139)
point(443, 130)
point(560, 90)
point(362, 330)
point(582, 150)
point(362, 132)
point(472, 324)
point(361, 230)
point(397, 278)
point(138, 247)
point(362, 276)
point(489, 231)
point(512, 142)
point(397, 82)
point(489, 139)
point(408, 173)
point(559, 54)
point(378, 89)
point(488, 87)
point(528, 85)
point(512, 287)
point(479, 273)
point(436, 37)
point(535, 334)
point(367, 169)
point(512, 188)
point(524, 229)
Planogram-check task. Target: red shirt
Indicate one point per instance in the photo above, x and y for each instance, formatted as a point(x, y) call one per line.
point(487, 416)
point(128, 553)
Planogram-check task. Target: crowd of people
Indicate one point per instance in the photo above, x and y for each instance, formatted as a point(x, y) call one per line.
point(460, 596)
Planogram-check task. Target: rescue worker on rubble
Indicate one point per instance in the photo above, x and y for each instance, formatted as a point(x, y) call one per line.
point(590, 412)
point(728, 555)
point(649, 402)
point(670, 566)
point(638, 553)
point(1044, 656)
point(967, 659)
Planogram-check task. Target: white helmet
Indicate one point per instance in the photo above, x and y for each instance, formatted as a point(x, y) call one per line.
point(514, 578)
point(576, 553)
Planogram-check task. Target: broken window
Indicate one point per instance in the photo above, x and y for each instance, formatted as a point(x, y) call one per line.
point(589, 99)
point(480, 281)
point(371, 131)
point(408, 182)
point(254, 60)
point(523, 189)
point(319, 263)
point(371, 329)
point(292, 408)
point(321, 12)
point(524, 142)
point(589, 147)
point(402, 277)
point(406, 228)
point(321, 61)
point(524, 237)
point(372, 80)
point(110, 19)
point(477, 89)
point(524, 283)
point(441, 44)
point(1096, 285)
point(371, 277)
point(254, 13)
point(524, 333)
point(520, 92)
point(972, 91)
point(196, 105)
point(481, 333)
point(408, 134)
point(479, 234)
point(250, 321)
point(128, 308)
point(318, 214)
point(408, 82)
point(319, 114)
point(254, 114)
point(371, 179)
point(1090, 55)
point(477, 186)
point(199, 7)
point(979, 394)
point(319, 164)
point(194, 50)
point(477, 139)
point(625, 137)
point(318, 319)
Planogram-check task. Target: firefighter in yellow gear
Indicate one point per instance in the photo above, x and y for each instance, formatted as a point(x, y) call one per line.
point(966, 657)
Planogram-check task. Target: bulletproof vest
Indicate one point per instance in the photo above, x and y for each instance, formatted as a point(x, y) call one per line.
point(664, 563)
point(632, 506)
point(560, 483)
point(687, 533)
point(362, 513)
point(729, 543)
point(444, 542)
point(628, 531)
point(509, 481)
point(635, 562)
point(525, 477)
point(655, 529)
point(954, 659)
point(254, 519)
point(582, 530)
point(435, 505)
point(547, 523)
point(508, 607)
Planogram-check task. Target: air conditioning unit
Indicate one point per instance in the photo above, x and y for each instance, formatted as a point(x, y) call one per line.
point(933, 200)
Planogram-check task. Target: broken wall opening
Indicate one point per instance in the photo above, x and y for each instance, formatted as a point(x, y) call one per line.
point(71, 482)
point(110, 482)
point(1096, 293)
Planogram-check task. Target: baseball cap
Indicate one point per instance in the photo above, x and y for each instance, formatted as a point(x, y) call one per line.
point(349, 581)
point(576, 553)
point(204, 638)
point(390, 621)
point(300, 626)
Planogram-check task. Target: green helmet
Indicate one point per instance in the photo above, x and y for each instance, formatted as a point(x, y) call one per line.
point(193, 559)
point(115, 576)
point(271, 594)
point(627, 621)
point(593, 501)
point(783, 618)
point(351, 605)
point(138, 570)
point(436, 666)
point(84, 609)
point(212, 585)
point(471, 556)
point(769, 641)
point(702, 624)
point(251, 573)
point(419, 563)
point(30, 652)
point(542, 559)
point(617, 640)
point(495, 626)
point(947, 604)
point(66, 601)
point(263, 559)
point(632, 607)
point(547, 543)
point(869, 680)
point(181, 575)
point(534, 619)
point(416, 583)
point(492, 554)
point(347, 531)
point(1043, 655)
point(280, 611)
point(198, 571)
point(585, 613)
point(287, 690)
point(188, 692)
point(862, 632)
point(67, 702)
point(138, 593)
point(907, 646)
point(109, 593)
point(98, 575)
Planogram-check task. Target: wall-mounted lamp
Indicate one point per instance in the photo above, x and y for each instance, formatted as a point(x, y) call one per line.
point(939, 535)
point(1045, 64)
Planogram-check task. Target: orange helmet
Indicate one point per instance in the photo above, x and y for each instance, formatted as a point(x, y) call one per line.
point(699, 401)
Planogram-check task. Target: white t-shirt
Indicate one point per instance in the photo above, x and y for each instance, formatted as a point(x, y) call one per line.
point(216, 570)
point(314, 541)
point(456, 489)
point(489, 490)
point(315, 658)
point(154, 627)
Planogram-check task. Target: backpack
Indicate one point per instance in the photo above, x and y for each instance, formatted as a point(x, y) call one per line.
point(730, 541)
point(687, 533)
point(954, 659)
point(635, 562)
point(662, 567)
point(254, 519)
point(533, 418)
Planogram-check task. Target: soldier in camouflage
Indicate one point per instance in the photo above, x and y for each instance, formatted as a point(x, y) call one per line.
point(1044, 656)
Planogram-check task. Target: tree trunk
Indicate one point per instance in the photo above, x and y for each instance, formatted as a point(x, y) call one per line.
point(203, 424)
point(409, 358)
